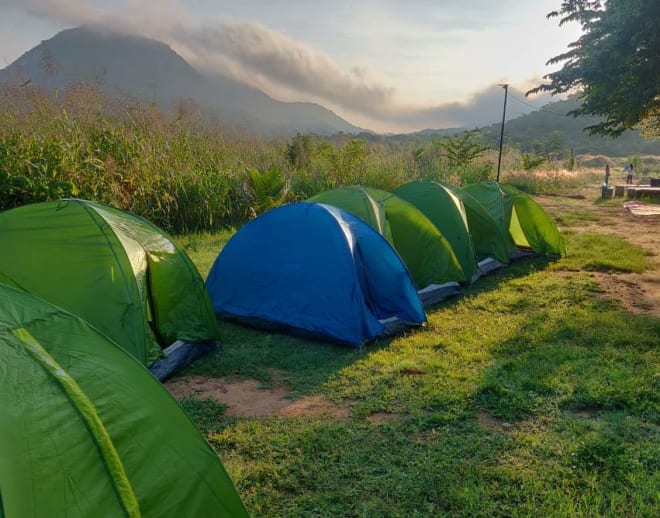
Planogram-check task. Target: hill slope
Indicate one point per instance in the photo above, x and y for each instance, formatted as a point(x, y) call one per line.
point(122, 64)
point(539, 126)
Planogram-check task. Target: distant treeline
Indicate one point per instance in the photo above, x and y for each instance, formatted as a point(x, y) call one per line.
point(544, 131)
point(533, 131)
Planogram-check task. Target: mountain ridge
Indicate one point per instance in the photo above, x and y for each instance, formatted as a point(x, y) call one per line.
point(120, 63)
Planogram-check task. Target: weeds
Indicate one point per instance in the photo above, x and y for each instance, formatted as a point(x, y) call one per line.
point(186, 174)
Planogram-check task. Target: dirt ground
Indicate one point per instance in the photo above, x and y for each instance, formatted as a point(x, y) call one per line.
point(639, 293)
point(246, 398)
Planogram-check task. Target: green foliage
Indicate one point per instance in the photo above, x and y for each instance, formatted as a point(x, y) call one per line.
point(175, 174)
point(550, 182)
point(186, 176)
point(473, 173)
point(571, 161)
point(268, 189)
point(457, 159)
point(614, 64)
point(531, 133)
point(462, 150)
point(531, 161)
point(298, 152)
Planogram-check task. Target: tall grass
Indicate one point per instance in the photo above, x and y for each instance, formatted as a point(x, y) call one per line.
point(551, 181)
point(186, 173)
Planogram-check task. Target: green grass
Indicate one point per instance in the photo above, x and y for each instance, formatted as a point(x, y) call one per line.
point(526, 396)
point(577, 218)
point(203, 247)
point(597, 252)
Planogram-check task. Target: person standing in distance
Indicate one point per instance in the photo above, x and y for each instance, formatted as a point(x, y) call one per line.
point(630, 169)
point(607, 174)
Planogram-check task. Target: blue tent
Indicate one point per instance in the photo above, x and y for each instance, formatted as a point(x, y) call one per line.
point(317, 270)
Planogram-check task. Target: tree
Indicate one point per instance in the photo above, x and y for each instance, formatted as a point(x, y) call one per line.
point(614, 66)
point(461, 150)
point(298, 152)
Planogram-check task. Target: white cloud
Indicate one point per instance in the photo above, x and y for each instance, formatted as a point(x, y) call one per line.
point(291, 69)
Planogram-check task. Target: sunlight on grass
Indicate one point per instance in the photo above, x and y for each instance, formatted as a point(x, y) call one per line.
point(577, 218)
point(485, 405)
point(204, 247)
point(598, 252)
point(527, 395)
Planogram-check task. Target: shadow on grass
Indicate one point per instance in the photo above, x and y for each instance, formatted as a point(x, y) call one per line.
point(301, 365)
point(525, 396)
point(575, 359)
point(304, 365)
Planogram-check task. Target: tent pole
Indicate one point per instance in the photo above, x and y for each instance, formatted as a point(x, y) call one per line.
point(499, 158)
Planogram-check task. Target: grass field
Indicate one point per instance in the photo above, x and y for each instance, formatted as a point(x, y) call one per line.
point(536, 393)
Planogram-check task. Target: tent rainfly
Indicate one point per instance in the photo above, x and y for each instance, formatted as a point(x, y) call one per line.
point(425, 251)
point(357, 201)
point(530, 228)
point(446, 211)
point(86, 430)
point(316, 270)
point(115, 270)
point(491, 243)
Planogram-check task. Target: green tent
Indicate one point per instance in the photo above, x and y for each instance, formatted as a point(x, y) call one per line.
point(85, 430)
point(489, 240)
point(425, 251)
point(528, 224)
point(114, 269)
point(357, 201)
point(446, 211)
point(423, 248)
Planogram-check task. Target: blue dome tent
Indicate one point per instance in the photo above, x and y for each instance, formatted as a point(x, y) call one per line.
point(317, 270)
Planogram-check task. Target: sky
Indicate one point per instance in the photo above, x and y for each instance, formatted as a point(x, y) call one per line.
point(386, 65)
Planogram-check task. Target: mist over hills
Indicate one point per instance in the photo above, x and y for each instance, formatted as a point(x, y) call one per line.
point(128, 65)
point(549, 125)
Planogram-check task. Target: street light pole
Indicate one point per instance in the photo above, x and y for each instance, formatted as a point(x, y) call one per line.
point(499, 158)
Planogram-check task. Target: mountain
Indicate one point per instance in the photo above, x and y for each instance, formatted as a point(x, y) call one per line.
point(551, 122)
point(129, 65)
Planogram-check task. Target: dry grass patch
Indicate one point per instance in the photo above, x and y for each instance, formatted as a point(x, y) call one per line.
point(488, 422)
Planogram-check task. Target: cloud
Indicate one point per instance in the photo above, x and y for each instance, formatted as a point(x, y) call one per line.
point(261, 56)
point(65, 11)
point(482, 108)
point(280, 65)
point(248, 52)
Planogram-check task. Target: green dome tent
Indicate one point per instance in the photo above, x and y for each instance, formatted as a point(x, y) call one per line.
point(355, 200)
point(446, 211)
point(87, 431)
point(489, 240)
point(425, 251)
point(528, 224)
point(112, 268)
